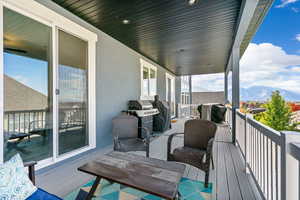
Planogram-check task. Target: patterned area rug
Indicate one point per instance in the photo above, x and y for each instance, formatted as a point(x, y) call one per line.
point(189, 190)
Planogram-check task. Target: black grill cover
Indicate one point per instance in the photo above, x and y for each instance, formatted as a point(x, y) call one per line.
point(218, 113)
point(161, 121)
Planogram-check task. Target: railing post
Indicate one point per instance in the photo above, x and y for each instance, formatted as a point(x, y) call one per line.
point(289, 167)
point(283, 167)
point(235, 88)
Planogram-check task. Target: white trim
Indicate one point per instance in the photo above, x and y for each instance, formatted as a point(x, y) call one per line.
point(55, 119)
point(144, 63)
point(1, 88)
point(49, 161)
point(172, 78)
point(35, 10)
point(44, 15)
point(92, 93)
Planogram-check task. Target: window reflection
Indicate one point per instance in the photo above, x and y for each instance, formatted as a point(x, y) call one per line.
point(27, 88)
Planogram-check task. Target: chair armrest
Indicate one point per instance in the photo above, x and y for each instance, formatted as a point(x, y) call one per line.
point(170, 138)
point(31, 172)
point(209, 150)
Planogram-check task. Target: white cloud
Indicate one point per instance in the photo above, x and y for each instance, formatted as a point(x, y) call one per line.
point(262, 65)
point(21, 79)
point(296, 10)
point(285, 3)
point(298, 37)
point(208, 82)
point(269, 65)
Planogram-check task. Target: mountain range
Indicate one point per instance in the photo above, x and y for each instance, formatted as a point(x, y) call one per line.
point(263, 93)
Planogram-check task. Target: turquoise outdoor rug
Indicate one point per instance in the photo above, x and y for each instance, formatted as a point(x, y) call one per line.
point(189, 190)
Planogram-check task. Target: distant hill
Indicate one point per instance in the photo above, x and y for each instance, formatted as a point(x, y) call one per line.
point(262, 93)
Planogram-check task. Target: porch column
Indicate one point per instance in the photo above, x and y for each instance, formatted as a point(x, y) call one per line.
point(226, 87)
point(190, 93)
point(235, 55)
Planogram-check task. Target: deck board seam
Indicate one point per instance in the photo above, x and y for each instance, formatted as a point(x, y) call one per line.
point(235, 170)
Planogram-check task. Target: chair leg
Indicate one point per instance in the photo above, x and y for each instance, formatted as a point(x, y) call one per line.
point(206, 179)
point(212, 162)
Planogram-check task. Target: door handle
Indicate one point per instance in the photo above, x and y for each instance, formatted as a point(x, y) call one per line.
point(57, 91)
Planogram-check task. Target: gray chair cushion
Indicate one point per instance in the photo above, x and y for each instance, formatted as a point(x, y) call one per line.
point(189, 155)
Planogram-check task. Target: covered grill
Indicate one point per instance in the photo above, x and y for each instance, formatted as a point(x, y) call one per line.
point(144, 110)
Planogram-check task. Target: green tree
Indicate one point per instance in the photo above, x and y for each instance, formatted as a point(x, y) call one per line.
point(278, 113)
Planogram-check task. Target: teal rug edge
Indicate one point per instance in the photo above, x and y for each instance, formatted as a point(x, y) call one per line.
point(188, 188)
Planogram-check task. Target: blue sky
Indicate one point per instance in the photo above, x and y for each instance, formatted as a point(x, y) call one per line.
point(281, 26)
point(31, 72)
point(273, 57)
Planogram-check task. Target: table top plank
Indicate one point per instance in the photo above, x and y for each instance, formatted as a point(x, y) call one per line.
point(144, 175)
point(171, 166)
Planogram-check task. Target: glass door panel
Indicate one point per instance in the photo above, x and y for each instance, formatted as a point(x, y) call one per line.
point(27, 87)
point(73, 92)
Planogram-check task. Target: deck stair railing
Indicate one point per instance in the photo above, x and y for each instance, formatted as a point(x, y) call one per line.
point(271, 157)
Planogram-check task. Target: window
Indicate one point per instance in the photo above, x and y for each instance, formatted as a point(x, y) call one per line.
point(148, 80)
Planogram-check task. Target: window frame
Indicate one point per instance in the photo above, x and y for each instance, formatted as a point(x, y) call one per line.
point(149, 66)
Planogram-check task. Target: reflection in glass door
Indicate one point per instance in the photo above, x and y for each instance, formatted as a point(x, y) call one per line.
point(27, 87)
point(73, 92)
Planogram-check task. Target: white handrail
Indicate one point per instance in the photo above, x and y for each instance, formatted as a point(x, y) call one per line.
point(267, 155)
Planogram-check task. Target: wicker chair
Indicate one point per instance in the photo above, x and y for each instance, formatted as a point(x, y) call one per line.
point(125, 135)
point(198, 142)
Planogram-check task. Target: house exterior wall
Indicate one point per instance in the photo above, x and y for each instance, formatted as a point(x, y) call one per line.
point(208, 97)
point(117, 76)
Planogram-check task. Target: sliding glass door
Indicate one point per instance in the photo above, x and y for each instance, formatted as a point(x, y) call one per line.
point(72, 98)
point(28, 127)
point(47, 73)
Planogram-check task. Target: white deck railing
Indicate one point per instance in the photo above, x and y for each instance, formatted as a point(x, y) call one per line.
point(269, 158)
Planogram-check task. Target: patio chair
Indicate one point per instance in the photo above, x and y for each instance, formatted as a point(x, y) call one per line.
point(198, 142)
point(125, 135)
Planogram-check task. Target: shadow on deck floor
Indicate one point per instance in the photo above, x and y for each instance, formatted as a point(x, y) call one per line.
point(229, 178)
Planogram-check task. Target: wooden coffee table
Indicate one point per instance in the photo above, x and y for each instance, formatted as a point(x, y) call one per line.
point(157, 177)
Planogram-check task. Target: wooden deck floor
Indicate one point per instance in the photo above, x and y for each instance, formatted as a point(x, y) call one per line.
point(229, 179)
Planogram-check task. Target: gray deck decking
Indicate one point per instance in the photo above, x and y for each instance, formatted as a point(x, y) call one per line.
point(229, 178)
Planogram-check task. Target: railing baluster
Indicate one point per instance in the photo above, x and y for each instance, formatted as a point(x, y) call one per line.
point(267, 167)
point(8, 123)
point(14, 122)
point(272, 173)
point(19, 128)
point(264, 167)
point(277, 170)
point(260, 160)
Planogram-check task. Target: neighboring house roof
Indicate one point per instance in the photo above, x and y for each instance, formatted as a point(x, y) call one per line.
point(18, 96)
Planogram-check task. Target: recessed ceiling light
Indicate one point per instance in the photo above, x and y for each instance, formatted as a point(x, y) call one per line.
point(126, 21)
point(192, 2)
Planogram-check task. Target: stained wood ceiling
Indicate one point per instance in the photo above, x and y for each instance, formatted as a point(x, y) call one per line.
point(186, 39)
